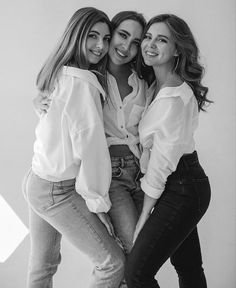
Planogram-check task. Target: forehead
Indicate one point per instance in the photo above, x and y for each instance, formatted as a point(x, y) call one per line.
point(159, 28)
point(133, 27)
point(101, 27)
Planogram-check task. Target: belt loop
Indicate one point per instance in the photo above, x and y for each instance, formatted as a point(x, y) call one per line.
point(122, 162)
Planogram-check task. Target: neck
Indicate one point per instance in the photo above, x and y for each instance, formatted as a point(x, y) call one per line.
point(164, 75)
point(119, 69)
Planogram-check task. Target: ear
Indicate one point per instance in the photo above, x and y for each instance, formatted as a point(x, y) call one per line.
point(176, 53)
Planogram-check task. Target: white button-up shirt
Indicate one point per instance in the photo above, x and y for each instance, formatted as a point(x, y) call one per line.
point(70, 139)
point(166, 133)
point(121, 118)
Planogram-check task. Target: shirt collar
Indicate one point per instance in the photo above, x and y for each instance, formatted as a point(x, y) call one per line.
point(85, 75)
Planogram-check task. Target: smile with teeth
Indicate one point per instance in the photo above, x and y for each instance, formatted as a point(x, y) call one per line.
point(96, 53)
point(120, 53)
point(151, 54)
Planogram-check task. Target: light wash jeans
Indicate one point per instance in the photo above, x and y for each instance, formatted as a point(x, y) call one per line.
point(57, 210)
point(126, 198)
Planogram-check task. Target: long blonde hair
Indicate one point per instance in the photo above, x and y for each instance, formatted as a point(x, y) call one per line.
point(70, 49)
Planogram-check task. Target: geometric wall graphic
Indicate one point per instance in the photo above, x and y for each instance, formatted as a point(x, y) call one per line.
point(12, 230)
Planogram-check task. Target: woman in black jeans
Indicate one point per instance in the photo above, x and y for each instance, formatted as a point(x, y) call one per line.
point(177, 191)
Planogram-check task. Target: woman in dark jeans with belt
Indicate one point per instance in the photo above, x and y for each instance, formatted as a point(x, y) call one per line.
point(177, 191)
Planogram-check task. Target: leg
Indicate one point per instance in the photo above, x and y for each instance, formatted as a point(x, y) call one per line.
point(61, 206)
point(126, 197)
point(45, 252)
point(187, 261)
point(173, 218)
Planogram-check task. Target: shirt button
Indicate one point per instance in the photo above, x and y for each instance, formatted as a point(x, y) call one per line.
point(121, 126)
point(120, 107)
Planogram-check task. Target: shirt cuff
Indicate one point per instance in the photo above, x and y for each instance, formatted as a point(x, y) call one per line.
point(150, 190)
point(98, 205)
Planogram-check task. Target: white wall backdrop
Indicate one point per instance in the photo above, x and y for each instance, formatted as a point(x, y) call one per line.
point(28, 31)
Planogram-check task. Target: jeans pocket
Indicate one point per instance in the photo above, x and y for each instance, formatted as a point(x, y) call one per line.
point(39, 192)
point(63, 190)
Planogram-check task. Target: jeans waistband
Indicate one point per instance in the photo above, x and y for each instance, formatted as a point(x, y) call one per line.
point(119, 150)
point(189, 159)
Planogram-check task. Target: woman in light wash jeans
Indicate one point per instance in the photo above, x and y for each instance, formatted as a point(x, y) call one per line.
point(67, 187)
point(122, 112)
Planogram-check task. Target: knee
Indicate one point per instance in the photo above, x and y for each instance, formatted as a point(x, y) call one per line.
point(113, 265)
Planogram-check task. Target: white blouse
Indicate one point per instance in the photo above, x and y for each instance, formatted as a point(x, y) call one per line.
point(121, 118)
point(70, 139)
point(166, 133)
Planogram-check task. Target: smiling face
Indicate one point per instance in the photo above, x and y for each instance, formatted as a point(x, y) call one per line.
point(97, 43)
point(125, 41)
point(158, 46)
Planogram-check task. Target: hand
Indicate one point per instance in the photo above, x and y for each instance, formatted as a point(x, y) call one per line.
point(105, 219)
point(141, 221)
point(41, 104)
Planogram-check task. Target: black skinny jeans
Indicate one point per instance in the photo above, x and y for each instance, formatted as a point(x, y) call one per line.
point(171, 232)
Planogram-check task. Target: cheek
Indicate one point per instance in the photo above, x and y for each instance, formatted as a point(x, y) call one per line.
point(143, 45)
point(133, 51)
point(89, 44)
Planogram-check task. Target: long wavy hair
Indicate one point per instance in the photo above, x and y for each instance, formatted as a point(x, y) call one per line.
point(186, 65)
point(71, 49)
point(129, 15)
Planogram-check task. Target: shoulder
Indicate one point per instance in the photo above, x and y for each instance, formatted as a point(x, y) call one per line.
point(83, 78)
point(182, 91)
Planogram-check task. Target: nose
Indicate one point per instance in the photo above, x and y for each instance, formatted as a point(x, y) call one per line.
point(126, 45)
point(152, 43)
point(100, 44)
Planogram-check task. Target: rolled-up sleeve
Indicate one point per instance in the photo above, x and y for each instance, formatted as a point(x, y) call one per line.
point(167, 148)
point(90, 147)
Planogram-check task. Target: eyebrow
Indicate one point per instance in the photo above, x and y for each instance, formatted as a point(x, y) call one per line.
point(96, 32)
point(159, 35)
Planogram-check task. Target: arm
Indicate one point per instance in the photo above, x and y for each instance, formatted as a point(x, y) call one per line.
point(166, 151)
point(89, 146)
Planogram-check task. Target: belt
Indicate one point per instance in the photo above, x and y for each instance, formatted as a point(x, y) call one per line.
point(119, 150)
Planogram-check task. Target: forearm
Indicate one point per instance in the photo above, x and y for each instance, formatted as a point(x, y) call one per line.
point(148, 204)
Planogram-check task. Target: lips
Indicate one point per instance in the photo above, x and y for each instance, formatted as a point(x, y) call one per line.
point(121, 54)
point(96, 53)
point(151, 54)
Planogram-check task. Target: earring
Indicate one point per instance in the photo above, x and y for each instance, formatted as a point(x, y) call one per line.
point(176, 63)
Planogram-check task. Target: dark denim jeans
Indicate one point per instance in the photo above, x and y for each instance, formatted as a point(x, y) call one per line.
point(171, 232)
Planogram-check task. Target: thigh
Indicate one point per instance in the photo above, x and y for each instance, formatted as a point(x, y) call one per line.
point(64, 209)
point(124, 214)
point(126, 198)
point(188, 253)
point(171, 221)
point(45, 241)
point(69, 214)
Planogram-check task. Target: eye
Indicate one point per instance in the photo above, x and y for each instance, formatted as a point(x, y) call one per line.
point(92, 36)
point(107, 38)
point(136, 43)
point(122, 35)
point(147, 36)
point(162, 40)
